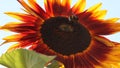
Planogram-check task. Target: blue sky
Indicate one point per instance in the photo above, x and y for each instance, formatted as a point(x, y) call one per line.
point(12, 5)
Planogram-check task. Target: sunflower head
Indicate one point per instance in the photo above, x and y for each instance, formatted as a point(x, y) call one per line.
point(70, 32)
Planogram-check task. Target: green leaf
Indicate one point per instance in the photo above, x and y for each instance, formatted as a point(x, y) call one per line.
point(23, 58)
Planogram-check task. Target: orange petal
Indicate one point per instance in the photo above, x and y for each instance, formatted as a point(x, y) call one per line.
point(57, 7)
point(38, 9)
point(18, 24)
point(21, 44)
point(112, 20)
point(15, 46)
point(99, 14)
point(14, 38)
point(105, 49)
point(97, 63)
point(96, 12)
point(115, 51)
point(19, 27)
point(22, 17)
point(102, 27)
point(112, 59)
point(29, 9)
point(99, 47)
point(79, 6)
point(115, 65)
point(66, 4)
point(66, 7)
point(20, 30)
point(82, 61)
point(30, 36)
point(48, 7)
point(95, 7)
point(104, 41)
point(99, 27)
point(21, 37)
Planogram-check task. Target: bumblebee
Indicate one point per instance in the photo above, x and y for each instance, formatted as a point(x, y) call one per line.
point(73, 19)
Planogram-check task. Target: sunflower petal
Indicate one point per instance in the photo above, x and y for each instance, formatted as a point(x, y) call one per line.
point(21, 37)
point(48, 7)
point(21, 16)
point(99, 47)
point(14, 38)
point(115, 50)
point(97, 63)
point(66, 3)
point(21, 44)
point(19, 27)
point(57, 7)
point(99, 14)
point(115, 65)
point(106, 52)
point(29, 9)
point(95, 7)
point(17, 24)
point(65, 6)
point(112, 20)
point(104, 41)
point(103, 65)
point(103, 27)
point(38, 9)
point(79, 6)
point(35, 6)
point(112, 59)
point(14, 46)
point(82, 61)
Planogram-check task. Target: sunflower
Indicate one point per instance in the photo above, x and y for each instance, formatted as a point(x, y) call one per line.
point(73, 34)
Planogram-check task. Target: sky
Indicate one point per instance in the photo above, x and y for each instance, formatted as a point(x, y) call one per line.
point(12, 5)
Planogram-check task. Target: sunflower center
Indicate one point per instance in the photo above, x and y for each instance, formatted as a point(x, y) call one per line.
point(65, 36)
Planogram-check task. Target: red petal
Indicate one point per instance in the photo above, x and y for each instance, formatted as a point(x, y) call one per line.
point(29, 9)
point(21, 37)
point(38, 9)
point(57, 7)
point(23, 17)
point(99, 27)
point(104, 28)
point(100, 47)
point(21, 44)
point(20, 27)
point(66, 5)
point(82, 62)
point(48, 7)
